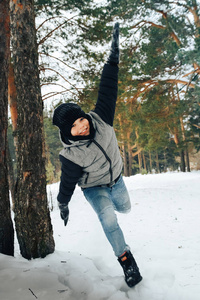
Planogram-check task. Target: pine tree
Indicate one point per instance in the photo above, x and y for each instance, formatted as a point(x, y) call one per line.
point(32, 218)
point(159, 42)
point(6, 226)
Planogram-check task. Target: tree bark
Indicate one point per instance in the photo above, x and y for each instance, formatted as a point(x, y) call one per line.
point(6, 226)
point(157, 163)
point(32, 217)
point(12, 100)
point(187, 159)
point(186, 150)
point(125, 160)
point(140, 161)
point(182, 155)
point(139, 152)
point(130, 157)
point(150, 161)
point(144, 161)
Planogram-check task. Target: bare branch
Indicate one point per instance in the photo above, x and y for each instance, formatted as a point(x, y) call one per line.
point(52, 94)
point(137, 152)
point(50, 33)
point(62, 78)
point(47, 20)
point(33, 293)
point(173, 35)
point(196, 125)
point(40, 53)
point(148, 22)
point(175, 81)
point(53, 83)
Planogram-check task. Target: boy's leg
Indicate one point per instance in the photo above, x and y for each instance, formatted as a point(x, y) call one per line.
point(99, 198)
point(120, 197)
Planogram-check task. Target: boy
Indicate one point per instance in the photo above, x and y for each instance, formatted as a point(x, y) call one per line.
point(91, 158)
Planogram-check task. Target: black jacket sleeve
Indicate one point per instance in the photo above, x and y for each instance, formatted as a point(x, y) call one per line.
point(70, 174)
point(107, 95)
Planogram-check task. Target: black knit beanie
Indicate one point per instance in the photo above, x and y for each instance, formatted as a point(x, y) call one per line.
point(65, 115)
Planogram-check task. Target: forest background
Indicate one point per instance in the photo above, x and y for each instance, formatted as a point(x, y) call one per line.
point(157, 117)
point(53, 52)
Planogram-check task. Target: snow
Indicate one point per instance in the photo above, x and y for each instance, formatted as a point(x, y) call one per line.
point(162, 230)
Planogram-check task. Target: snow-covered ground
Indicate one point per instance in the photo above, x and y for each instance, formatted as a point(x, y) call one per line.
point(163, 231)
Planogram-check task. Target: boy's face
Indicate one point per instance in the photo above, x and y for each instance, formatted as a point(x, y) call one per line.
point(81, 127)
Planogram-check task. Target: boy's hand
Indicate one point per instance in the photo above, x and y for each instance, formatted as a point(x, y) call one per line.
point(114, 52)
point(64, 212)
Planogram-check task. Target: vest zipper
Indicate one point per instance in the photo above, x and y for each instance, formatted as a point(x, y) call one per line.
point(106, 156)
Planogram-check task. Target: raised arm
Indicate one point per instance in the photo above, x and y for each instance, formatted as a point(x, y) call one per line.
point(107, 95)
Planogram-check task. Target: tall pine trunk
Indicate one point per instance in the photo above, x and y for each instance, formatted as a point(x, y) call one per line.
point(182, 156)
point(32, 217)
point(187, 159)
point(150, 161)
point(6, 226)
point(157, 163)
point(12, 100)
point(125, 160)
point(144, 161)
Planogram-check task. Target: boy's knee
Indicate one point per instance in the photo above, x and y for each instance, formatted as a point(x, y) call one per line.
point(124, 208)
point(126, 211)
point(108, 219)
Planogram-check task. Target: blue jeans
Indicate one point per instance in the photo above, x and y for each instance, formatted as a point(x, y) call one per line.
point(105, 200)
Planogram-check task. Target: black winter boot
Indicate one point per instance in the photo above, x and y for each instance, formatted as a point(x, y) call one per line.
point(131, 270)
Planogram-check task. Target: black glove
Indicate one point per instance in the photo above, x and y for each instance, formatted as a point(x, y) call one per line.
point(114, 52)
point(64, 212)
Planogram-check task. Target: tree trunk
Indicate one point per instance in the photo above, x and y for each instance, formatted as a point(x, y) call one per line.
point(165, 162)
point(181, 152)
point(187, 160)
point(130, 157)
point(182, 160)
point(11, 177)
point(144, 161)
point(12, 100)
point(6, 226)
point(150, 162)
point(140, 161)
point(130, 160)
point(32, 217)
point(125, 160)
point(157, 163)
point(186, 151)
point(139, 152)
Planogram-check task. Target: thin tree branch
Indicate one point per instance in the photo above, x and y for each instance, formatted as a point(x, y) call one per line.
point(180, 81)
point(47, 20)
point(174, 36)
point(62, 77)
point(50, 33)
point(33, 293)
point(196, 125)
point(53, 83)
point(40, 53)
point(55, 18)
point(52, 94)
point(137, 152)
point(148, 22)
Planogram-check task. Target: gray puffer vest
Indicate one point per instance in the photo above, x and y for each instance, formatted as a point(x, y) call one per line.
point(99, 157)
